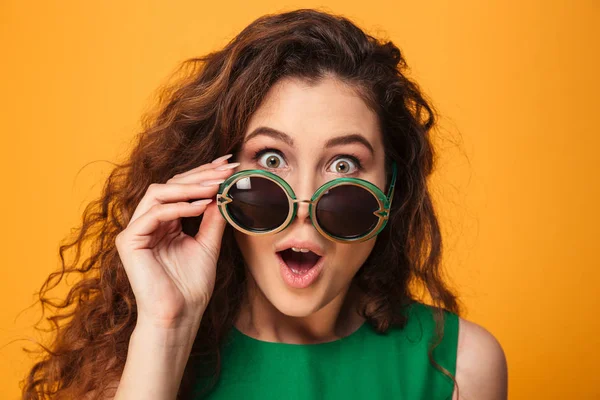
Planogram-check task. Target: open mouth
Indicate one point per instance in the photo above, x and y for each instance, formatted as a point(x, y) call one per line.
point(299, 261)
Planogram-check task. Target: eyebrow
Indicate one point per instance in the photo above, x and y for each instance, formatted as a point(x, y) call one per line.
point(336, 141)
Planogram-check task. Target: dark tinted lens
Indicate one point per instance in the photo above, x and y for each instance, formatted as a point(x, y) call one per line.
point(258, 204)
point(347, 211)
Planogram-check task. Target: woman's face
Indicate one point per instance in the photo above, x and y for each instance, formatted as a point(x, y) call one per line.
point(308, 136)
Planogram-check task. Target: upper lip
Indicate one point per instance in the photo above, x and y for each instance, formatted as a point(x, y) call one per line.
point(300, 244)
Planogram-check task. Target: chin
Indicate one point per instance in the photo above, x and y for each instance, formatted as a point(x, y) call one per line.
point(289, 301)
point(269, 285)
point(293, 308)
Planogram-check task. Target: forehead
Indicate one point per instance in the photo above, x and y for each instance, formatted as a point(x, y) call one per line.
point(311, 114)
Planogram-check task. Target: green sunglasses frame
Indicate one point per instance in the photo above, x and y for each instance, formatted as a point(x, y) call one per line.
point(384, 201)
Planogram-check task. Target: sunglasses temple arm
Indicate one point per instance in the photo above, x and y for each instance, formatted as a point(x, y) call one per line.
point(390, 194)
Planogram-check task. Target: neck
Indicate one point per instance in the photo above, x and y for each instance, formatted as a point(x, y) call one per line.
point(260, 319)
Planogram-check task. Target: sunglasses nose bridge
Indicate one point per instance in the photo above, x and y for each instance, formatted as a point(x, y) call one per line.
point(302, 212)
point(302, 201)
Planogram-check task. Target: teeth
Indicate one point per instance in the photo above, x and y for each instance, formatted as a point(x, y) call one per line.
point(300, 250)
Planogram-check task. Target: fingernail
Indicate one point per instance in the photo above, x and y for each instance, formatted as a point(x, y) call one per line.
point(213, 182)
point(201, 202)
point(222, 158)
point(227, 166)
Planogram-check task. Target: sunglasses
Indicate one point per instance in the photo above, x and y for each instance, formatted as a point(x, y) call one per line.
point(258, 202)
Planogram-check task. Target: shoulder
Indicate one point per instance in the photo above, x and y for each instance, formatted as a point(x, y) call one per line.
point(481, 367)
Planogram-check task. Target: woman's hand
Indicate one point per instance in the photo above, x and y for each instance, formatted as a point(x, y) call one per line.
point(173, 274)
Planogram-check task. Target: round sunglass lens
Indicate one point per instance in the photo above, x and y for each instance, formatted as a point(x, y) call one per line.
point(346, 211)
point(259, 204)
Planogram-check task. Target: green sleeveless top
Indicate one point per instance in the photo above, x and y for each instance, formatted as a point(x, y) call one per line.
point(363, 365)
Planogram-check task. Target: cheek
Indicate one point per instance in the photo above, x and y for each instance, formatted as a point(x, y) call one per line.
point(253, 247)
point(350, 257)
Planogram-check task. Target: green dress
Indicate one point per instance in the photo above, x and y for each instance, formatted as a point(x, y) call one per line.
point(363, 365)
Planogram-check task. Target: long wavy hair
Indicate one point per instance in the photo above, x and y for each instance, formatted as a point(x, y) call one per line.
point(200, 114)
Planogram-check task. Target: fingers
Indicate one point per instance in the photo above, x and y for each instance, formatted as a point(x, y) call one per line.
point(211, 228)
point(192, 185)
point(175, 192)
point(148, 222)
point(220, 171)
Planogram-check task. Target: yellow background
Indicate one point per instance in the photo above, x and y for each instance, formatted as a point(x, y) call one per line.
point(516, 83)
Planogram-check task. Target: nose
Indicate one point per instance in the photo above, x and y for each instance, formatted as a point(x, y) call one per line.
point(303, 194)
point(302, 210)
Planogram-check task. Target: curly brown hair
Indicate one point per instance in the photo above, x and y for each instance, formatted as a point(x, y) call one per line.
point(202, 114)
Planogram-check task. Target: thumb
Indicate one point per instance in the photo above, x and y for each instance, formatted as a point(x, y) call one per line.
point(211, 228)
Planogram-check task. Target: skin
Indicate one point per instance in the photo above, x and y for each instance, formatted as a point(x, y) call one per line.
point(310, 117)
point(481, 366)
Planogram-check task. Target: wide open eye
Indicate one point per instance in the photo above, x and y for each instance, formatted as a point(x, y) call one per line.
point(343, 165)
point(271, 159)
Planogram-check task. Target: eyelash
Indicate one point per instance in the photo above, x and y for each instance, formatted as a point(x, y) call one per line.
point(259, 153)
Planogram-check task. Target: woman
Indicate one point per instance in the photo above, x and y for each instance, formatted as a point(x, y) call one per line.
point(299, 280)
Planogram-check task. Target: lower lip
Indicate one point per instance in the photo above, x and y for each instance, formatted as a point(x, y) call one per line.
point(300, 281)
